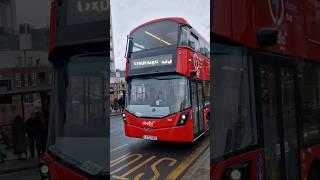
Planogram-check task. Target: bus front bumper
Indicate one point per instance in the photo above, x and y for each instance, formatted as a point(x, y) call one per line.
point(169, 134)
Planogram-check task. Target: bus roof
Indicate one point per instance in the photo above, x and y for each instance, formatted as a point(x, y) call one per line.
point(176, 19)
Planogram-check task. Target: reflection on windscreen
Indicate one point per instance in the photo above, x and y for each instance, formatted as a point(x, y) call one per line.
point(158, 96)
point(85, 107)
point(156, 35)
point(81, 150)
point(78, 132)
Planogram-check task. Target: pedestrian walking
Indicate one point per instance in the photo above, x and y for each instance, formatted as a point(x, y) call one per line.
point(19, 137)
point(34, 133)
point(115, 105)
point(121, 103)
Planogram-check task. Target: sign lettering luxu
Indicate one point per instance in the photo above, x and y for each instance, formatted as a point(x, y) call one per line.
point(93, 6)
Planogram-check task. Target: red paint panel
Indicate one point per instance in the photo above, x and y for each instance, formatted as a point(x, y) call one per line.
point(53, 26)
point(221, 20)
point(186, 63)
point(218, 169)
point(298, 24)
point(172, 134)
point(57, 171)
point(165, 122)
point(307, 156)
point(164, 128)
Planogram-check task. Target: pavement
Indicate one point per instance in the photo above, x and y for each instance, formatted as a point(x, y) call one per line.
point(135, 158)
point(200, 169)
point(12, 164)
point(32, 174)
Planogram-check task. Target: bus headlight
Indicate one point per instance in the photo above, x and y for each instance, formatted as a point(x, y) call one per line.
point(124, 116)
point(237, 172)
point(44, 169)
point(182, 119)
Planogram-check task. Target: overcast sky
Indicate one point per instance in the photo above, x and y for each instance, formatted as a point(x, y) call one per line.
point(35, 12)
point(128, 14)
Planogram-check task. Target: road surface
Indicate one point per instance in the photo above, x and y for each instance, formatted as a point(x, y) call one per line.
point(133, 158)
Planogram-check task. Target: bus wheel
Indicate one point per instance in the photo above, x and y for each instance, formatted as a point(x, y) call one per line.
point(314, 173)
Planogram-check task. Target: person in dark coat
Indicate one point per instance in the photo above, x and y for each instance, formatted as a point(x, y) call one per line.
point(34, 129)
point(115, 104)
point(19, 137)
point(121, 104)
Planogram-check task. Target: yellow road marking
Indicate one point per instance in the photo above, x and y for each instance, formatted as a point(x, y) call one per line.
point(137, 167)
point(154, 166)
point(139, 156)
point(115, 160)
point(187, 162)
point(138, 176)
point(118, 177)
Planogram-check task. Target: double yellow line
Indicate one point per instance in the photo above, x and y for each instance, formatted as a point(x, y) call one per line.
point(174, 174)
point(188, 161)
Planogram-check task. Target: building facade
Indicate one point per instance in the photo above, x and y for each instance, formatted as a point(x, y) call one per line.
point(25, 72)
point(118, 88)
point(7, 17)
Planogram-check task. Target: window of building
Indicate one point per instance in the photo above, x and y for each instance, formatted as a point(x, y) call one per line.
point(19, 61)
point(34, 78)
point(30, 62)
point(26, 80)
point(42, 77)
point(18, 80)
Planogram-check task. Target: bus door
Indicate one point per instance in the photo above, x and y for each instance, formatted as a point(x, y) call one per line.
point(197, 108)
point(276, 93)
point(200, 106)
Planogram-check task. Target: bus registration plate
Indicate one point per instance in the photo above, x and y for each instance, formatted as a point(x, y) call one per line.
point(154, 138)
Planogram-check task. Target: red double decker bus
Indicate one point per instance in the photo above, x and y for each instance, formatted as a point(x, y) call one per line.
point(266, 76)
point(167, 71)
point(78, 125)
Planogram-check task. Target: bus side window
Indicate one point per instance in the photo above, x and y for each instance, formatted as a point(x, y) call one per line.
point(194, 43)
point(311, 103)
point(184, 37)
point(202, 47)
point(207, 52)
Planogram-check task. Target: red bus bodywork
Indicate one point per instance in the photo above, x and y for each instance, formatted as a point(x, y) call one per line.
point(58, 169)
point(298, 26)
point(166, 128)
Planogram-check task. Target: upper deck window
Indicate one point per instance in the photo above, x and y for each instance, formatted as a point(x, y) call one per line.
point(161, 34)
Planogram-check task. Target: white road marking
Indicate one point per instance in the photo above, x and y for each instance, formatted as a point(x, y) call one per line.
point(119, 147)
